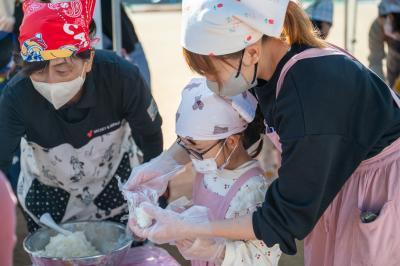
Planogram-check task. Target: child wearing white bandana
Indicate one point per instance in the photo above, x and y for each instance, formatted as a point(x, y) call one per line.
point(228, 181)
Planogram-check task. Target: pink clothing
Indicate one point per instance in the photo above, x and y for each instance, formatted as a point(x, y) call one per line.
point(148, 255)
point(7, 222)
point(217, 204)
point(340, 238)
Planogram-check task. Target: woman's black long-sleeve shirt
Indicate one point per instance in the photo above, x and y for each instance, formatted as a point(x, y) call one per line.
point(331, 114)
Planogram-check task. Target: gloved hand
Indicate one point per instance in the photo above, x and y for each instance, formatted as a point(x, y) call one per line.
point(180, 205)
point(169, 226)
point(135, 198)
point(154, 174)
point(204, 249)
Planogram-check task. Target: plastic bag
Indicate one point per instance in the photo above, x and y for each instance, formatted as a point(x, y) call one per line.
point(148, 255)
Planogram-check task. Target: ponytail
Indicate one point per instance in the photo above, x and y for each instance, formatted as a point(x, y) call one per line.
point(298, 28)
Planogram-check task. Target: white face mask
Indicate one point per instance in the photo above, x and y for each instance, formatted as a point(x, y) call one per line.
point(58, 94)
point(209, 166)
point(236, 83)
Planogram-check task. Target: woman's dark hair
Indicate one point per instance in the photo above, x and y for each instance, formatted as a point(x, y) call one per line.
point(253, 133)
point(27, 68)
point(396, 22)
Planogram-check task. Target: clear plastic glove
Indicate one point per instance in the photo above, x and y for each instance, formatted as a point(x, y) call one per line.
point(154, 174)
point(180, 205)
point(169, 226)
point(204, 249)
point(135, 198)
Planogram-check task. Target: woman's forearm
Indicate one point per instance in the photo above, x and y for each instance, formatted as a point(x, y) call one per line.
point(234, 229)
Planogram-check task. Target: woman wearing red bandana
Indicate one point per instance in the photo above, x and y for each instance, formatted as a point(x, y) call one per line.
point(83, 118)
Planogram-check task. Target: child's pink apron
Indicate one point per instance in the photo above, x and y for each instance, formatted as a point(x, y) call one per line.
point(217, 204)
point(340, 238)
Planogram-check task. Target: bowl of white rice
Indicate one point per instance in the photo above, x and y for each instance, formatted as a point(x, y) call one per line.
point(91, 243)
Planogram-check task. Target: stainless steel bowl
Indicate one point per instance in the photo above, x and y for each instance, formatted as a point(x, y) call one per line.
point(109, 238)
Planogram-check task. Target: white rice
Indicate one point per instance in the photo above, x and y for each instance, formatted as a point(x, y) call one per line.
point(142, 218)
point(69, 246)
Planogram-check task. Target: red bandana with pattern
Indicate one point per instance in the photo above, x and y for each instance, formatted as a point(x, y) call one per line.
point(55, 30)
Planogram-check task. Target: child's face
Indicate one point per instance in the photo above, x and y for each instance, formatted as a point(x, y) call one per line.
point(217, 149)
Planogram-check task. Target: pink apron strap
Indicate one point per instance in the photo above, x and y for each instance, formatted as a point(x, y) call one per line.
point(309, 53)
point(317, 52)
point(331, 45)
point(234, 189)
point(274, 137)
point(312, 53)
point(197, 185)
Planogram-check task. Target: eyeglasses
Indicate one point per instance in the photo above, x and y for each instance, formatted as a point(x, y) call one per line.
point(197, 155)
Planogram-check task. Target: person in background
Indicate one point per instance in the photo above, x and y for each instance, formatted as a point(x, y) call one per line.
point(132, 48)
point(7, 70)
point(321, 15)
point(18, 16)
point(72, 110)
point(383, 30)
point(6, 59)
point(391, 29)
point(6, 16)
point(7, 221)
point(7, 67)
point(7, 21)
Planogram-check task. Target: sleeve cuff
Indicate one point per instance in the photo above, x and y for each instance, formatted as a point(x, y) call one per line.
point(256, 227)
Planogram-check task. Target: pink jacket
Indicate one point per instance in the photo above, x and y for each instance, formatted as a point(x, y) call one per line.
point(7, 222)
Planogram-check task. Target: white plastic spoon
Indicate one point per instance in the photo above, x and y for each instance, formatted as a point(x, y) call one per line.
point(48, 221)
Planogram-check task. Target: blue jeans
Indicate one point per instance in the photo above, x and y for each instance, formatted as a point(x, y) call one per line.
point(138, 57)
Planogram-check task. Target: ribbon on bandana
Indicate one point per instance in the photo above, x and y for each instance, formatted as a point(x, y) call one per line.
point(55, 30)
point(203, 115)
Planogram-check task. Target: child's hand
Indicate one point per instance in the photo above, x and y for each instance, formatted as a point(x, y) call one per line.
point(169, 226)
point(205, 249)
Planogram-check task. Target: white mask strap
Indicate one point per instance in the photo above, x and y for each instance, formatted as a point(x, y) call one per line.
point(229, 157)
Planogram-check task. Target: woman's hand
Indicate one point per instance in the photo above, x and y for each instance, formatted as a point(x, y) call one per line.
point(154, 174)
point(169, 226)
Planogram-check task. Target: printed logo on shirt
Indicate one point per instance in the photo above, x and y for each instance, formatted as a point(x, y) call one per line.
point(152, 110)
point(90, 134)
point(103, 130)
